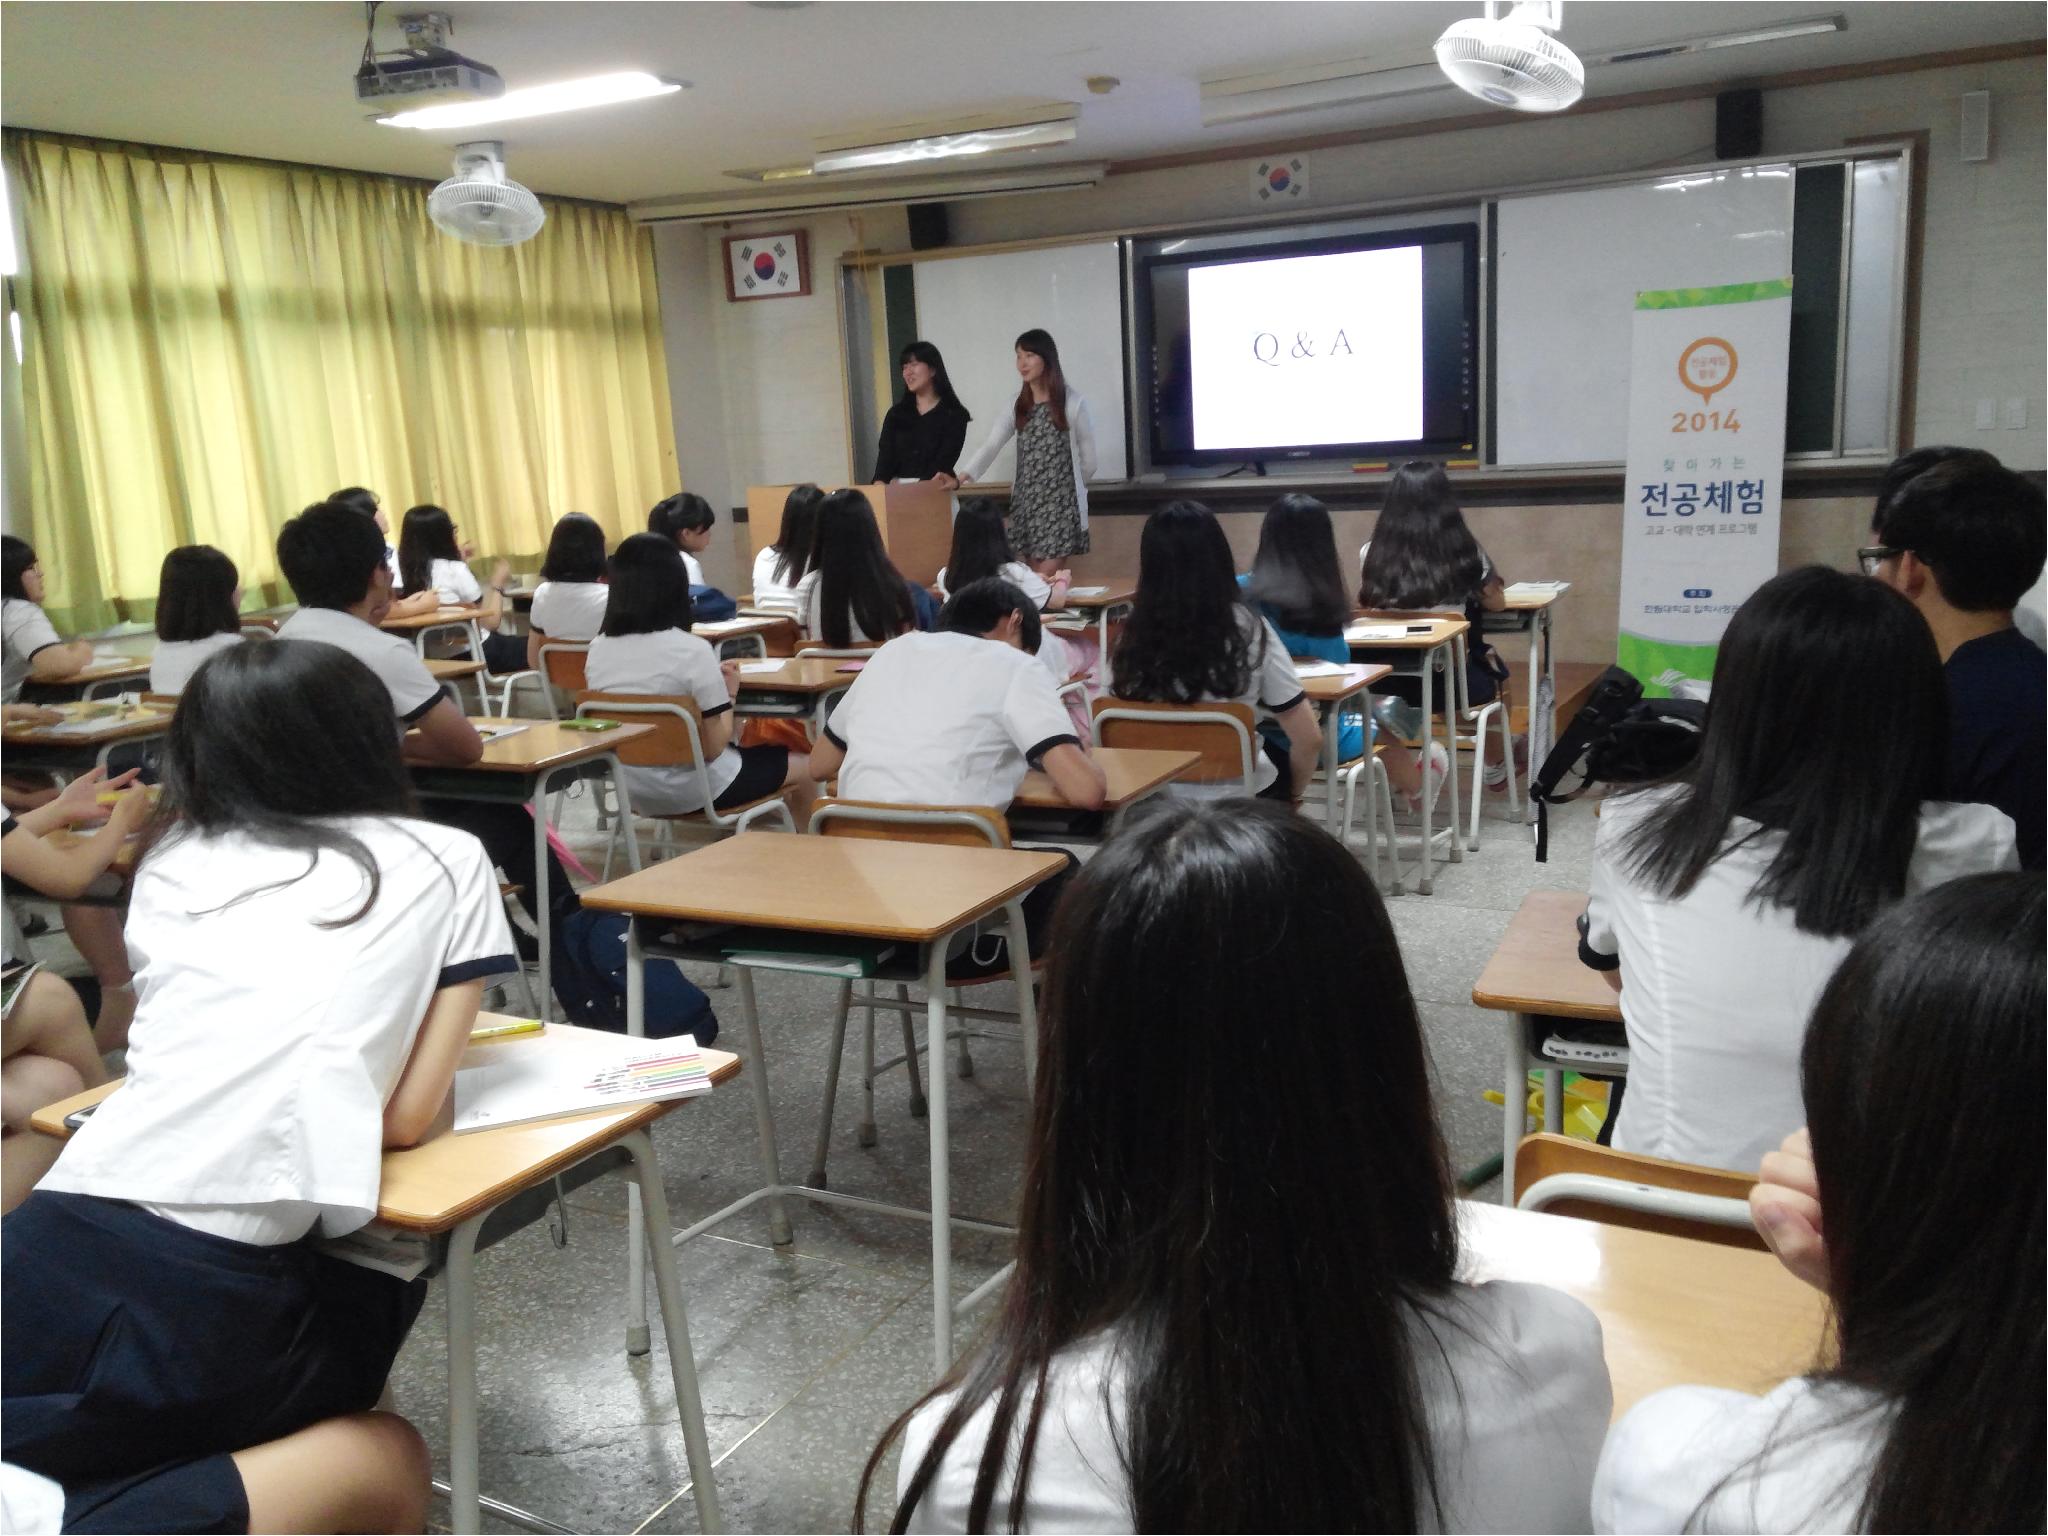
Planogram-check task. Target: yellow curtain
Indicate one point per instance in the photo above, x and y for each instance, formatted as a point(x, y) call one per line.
point(211, 344)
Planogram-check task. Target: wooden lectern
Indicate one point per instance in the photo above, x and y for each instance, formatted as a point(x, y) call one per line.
point(916, 520)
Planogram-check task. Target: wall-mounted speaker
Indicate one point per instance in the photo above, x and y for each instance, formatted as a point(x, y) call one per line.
point(927, 225)
point(1976, 125)
point(1738, 125)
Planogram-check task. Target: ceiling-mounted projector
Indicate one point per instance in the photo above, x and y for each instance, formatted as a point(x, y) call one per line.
point(1513, 61)
point(425, 72)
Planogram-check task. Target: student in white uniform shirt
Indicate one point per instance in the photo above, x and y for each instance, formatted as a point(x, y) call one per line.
point(852, 594)
point(686, 521)
point(1190, 639)
point(1926, 1235)
point(178, 1352)
point(958, 717)
point(981, 547)
point(332, 558)
point(569, 602)
point(647, 647)
point(198, 614)
point(781, 565)
point(30, 649)
point(371, 505)
point(1724, 899)
point(1239, 1289)
point(430, 559)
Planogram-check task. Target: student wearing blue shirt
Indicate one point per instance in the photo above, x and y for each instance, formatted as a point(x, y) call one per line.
point(1296, 583)
point(1963, 538)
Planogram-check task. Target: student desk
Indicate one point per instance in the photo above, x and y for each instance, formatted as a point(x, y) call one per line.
point(914, 896)
point(802, 686)
point(54, 749)
point(113, 667)
point(421, 625)
point(1101, 608)
point(1434, 642)
point(1133, 774)
point(1536, 976)
point(1330, 693)
point(744, 634)
point(519, 769)
point(1527, 611)
point(452, 672)
point(466, 1193)
point(1674, 1311)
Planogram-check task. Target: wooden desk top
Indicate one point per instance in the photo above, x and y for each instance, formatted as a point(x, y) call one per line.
point(440, 1183)
point(911, 892)
point(1674, 1311)
point(1530, 602)
point(1115, 590)
point(799, 674)
point(745, 624)
point(444, 671)
point(1442, 629)
point(1133, 773)
point(439, 616)
point(1537, 969)
point(1354, 680)
point(541, 745)
point(106, 667)
point(146, 720)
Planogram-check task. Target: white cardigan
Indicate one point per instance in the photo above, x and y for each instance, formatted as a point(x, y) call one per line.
point(1080, 443)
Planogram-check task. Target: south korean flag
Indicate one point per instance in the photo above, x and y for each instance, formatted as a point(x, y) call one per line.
point(763, 266)
point(1280, 181)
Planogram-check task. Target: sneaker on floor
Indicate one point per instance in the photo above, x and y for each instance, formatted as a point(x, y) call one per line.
point(1438, 769)
point(1496, 776)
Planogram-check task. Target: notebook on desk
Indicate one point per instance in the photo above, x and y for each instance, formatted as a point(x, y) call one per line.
point(567, 1071)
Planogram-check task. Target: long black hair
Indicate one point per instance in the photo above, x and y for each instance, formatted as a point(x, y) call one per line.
point(798, 533)
point(575, 549)
point(1935, 1238)
point(426, 535)
point(1295, 575)
point(1423, 555)
point(1263, 1390)
point(857, 582)
point(17, 559)
point(274, 742)
point(650, 587)
point(924, 352)
point(1827, 726)
point(1186, 638)
point(195, 594)
point(981, 545)
point(1040, 345)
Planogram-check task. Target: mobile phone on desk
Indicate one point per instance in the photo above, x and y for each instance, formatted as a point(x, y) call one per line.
point(78, 1117)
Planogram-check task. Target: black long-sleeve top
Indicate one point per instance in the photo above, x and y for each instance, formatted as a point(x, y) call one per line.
point(918, 446)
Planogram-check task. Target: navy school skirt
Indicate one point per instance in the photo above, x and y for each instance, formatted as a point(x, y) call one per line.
point(139, 1354)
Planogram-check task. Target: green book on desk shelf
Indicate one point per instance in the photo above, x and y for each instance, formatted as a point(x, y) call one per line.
point(821, 954)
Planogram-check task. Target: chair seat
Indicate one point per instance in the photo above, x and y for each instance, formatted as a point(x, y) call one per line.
point(724, 810)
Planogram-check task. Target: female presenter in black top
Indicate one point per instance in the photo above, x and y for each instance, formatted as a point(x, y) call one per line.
point(926, 428)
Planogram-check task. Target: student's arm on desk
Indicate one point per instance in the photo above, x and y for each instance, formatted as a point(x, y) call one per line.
point(414, 606)
point(1077, 776)
point(66, 872)
point(421, 1106)
point(444, 738)
point(54, 663)
point(826, 756)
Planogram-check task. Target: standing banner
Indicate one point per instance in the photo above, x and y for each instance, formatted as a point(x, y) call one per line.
point(1706, 459)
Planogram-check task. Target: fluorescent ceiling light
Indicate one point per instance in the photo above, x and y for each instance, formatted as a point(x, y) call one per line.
point(538, 101)
point(1770, 32)
point(945, 146)
point(1337, 83)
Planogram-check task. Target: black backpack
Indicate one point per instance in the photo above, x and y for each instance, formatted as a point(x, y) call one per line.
point(1618, 737)
point(589, 965)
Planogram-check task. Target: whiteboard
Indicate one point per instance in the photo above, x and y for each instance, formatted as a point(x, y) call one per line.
point(1568, 268)
point(973, 308)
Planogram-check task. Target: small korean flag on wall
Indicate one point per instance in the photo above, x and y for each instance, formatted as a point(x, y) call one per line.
point(1280, 181)
point(767, 266)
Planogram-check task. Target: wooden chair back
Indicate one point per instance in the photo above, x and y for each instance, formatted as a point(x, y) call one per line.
point(784, 637)
point(162, 700)
point(1545, 1155)
point(678, 726)
point(955, 826)
point(1220, 744)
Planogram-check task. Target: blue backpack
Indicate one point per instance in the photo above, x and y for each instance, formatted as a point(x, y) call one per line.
point(708, 605)
point(589, 965)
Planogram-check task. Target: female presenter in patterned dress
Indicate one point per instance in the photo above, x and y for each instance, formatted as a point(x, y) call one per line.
point(1055, 456)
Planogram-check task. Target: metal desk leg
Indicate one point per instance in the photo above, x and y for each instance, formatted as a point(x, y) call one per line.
point(464, 1512)
point(1332, 726)
point(1454, 693)
point(942, 1171)
point(638, 1340)
point(1428, 883)
point(1521, 1035)
point(764, 1116)
point(675, 1325)
point(1027, 998)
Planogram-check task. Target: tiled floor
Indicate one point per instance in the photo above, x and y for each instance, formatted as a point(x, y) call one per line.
point(806, 1354)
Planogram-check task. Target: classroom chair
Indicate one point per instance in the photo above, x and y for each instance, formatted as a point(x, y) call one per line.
point(786, 636)
point(677, 742)
point(506, 682)
point(1379, 809)
point(1570, 1177)
point(1491, 715)
point(966, 826)
point(1225, 735)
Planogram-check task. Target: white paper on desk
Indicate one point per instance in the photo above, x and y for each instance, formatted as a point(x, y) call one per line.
point(98, 727)
point(570, 1072)
point(1306, 669)
point(748, 668)
point(1527, 589)
point(118, 659)
point(1359, 633)
point(495, 732)
point(1086, 591)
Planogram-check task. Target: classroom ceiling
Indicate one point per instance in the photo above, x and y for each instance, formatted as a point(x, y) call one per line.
point(273, 79)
